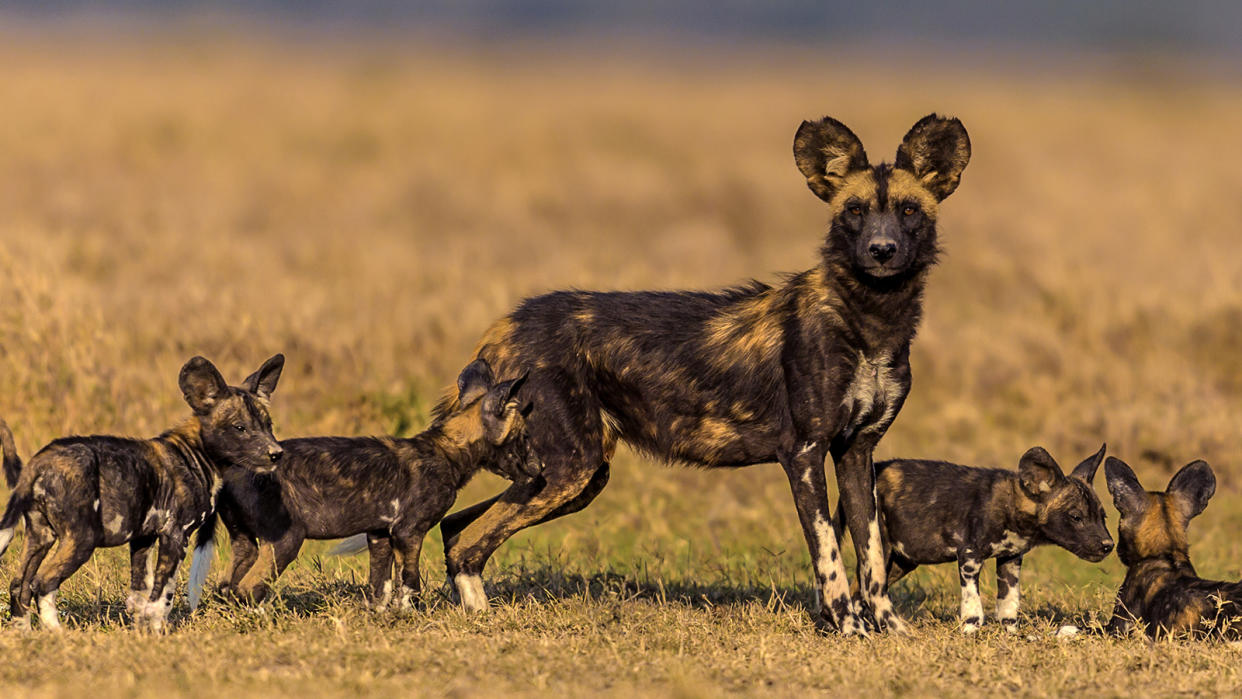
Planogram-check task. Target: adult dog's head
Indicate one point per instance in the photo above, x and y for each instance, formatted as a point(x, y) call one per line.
point(883, 216)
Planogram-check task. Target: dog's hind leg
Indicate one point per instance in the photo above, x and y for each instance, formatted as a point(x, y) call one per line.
point(379, 553)
point(141, 573)
point(39, 540)
point(72, 550)
point(572, 451)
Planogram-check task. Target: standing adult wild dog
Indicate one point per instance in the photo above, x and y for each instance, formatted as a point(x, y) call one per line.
point(817, 365)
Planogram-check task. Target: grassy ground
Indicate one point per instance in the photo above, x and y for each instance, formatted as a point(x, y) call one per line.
point(369, 211)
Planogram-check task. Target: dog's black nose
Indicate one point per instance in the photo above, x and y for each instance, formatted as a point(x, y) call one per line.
point(883, 250)
point(1107, 545)
point(275, 455)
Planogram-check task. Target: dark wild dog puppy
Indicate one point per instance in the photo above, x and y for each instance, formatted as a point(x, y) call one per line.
point(391, 489)
point(816, 365)
point(1161, 590)
point(936, 512)
point(83, 493)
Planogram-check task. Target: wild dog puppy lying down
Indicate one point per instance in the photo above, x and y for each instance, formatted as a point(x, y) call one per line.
point(1162, 591)
point(936, 512)
point(392, 490)
point(83, 493)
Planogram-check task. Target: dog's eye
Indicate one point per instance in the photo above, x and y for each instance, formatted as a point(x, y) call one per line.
point(1075, 518)
point(909, 211)
point(239, 427)
point(854, 209)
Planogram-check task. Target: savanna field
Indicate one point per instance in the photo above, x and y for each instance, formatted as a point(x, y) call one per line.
point(369, 209)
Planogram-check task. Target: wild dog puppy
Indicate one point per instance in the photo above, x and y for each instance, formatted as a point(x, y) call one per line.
point(815, 365)
point(393, 490)
point(83, 493)
point(1161, 591)
point(936, 512)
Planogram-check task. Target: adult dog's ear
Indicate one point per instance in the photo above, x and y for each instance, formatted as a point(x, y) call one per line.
point(202, 385)
point(1085, 471)
point(1129, 497)
point(825, 152)
point(263, 382)
point(1038, 472)
point(936, 150)
point(1192, 487)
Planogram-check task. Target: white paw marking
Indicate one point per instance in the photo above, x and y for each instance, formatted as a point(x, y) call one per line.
point(470, 588)
point(47, 611)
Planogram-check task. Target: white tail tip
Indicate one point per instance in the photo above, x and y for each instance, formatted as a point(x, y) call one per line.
point(350, 546)
point(199, 568)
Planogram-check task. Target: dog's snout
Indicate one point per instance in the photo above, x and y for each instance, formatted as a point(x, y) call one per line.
point(882, 250)
point(275, 453)
point(1106, 545)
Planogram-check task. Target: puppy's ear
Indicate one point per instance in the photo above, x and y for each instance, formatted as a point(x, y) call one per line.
point(263, 382)
point(1192, 487)
point(825, 152)
point(1038, 472)
point(473, 381)
point(1085, 471)
point(936, 150)
point(1129, 496)
point(202, 385)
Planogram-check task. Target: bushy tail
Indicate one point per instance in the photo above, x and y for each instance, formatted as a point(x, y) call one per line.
point(350, 546)
point(204, 550)
point(12, 462)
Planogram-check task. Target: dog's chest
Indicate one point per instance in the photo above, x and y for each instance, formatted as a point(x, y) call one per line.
point(872, 393)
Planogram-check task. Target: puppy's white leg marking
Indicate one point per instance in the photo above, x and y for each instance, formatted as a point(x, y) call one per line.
point(1007, 604)
point(47, 611)
point(470, 588)
point(972, 607)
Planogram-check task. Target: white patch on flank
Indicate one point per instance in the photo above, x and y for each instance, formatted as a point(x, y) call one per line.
point(6, 536)
point(47, 611)
point(470, 588)
point(116, 525)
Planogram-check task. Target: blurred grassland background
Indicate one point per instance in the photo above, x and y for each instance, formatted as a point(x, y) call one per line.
point(369, 205)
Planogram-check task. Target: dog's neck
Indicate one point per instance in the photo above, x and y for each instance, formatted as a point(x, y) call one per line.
point(888, 310)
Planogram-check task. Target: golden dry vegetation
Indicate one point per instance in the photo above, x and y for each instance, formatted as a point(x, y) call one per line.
point(368, 210)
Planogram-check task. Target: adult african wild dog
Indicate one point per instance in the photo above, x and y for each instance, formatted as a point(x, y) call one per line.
point(83, 493)
point(1161, 590)
point(936, 512)
point(816, 365)
point(393, 490)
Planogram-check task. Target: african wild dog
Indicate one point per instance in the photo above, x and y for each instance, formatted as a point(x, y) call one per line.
point(391, 489)
point(817, 365)
point(936, 512)
point(1161, 590)
point(83, 493)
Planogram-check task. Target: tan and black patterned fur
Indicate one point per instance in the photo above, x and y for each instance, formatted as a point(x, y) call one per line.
point(1162, 594)
point(817, 364)
point(937, 512)
point(391, 489)
point(81, 493)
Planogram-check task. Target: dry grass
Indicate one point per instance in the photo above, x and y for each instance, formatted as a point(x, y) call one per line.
point(368, 212)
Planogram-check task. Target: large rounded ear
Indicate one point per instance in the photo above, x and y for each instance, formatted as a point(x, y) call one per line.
point(825, 152)
point(473, 381)
point(936, 150)
point(1192, 487)
point(263, 382)
point(1038, 472)
point(1129, 497)
point(1085, 471)
point(202, 385)
point(502, 398)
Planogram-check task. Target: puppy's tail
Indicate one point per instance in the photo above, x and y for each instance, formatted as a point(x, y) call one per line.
point(12, 462)
point(204, 550)
point(350, 546)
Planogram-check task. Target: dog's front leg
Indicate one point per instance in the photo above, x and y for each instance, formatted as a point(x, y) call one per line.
point(164, 581)
point(968, 566)
point(1008, 592)
point(856, 480)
